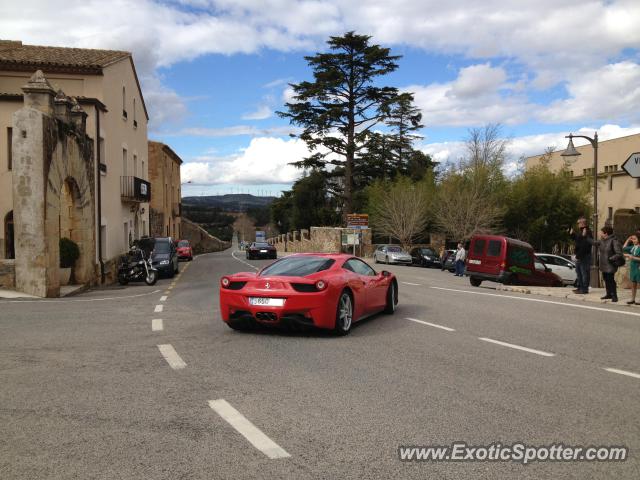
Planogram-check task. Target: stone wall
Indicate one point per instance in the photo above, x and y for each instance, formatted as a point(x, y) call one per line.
point(7, 274)
point(320, 239)
point(201, 241)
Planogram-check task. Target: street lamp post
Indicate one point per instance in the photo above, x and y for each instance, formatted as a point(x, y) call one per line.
point(572, 152)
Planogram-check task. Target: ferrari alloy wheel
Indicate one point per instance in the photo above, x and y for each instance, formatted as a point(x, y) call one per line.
point(344, 315)
point(392, 298)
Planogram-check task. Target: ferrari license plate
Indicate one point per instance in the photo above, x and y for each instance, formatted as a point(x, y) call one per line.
point(268, 302)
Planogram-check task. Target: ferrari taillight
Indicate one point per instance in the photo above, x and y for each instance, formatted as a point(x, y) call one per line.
point(225, 282)
point(321, 284)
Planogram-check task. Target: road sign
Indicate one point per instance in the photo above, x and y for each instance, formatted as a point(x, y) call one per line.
point(632, 165)
point(357, 220)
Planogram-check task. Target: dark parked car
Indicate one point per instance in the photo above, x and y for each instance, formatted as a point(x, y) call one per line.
point(261, 250)
point(425, 257)
point(450, 260)
point(165, 256)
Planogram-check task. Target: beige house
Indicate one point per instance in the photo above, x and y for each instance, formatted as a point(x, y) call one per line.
point(165, 208)
point(106, 86)
point(616, 190)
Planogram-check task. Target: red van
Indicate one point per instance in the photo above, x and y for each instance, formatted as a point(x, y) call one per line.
point(506, 260)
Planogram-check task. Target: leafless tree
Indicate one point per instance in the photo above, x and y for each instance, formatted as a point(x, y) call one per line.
point(400, 210)
point(463, 208)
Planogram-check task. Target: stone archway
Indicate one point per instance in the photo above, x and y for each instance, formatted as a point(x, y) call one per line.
point(70, 210)
point(53, 188)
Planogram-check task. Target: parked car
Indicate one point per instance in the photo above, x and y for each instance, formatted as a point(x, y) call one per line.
point(391, 254)
point(506, 260)
point(564, 268)
point(425, 257)
point(165, 256)
point(184, 250)
point(261, 250)
point(450, 260)
point(330, 291)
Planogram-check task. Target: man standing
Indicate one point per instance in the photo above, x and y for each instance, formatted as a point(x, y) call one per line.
point(611, 257)
point(583, 239)
point(461, 255)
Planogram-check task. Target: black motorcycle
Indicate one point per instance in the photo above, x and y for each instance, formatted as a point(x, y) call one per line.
point(136, 267)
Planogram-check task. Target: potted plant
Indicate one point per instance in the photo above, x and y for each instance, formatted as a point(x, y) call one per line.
point(69, 253)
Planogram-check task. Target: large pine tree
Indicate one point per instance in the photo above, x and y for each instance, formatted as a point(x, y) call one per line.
point(341, 105)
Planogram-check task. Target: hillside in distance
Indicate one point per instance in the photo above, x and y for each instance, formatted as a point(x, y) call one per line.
point(235, 202)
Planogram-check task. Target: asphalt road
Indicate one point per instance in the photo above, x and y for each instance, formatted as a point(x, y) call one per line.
point(85, 391)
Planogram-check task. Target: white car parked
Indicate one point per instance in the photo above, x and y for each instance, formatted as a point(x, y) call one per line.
point(562, 267)
point(392, 254)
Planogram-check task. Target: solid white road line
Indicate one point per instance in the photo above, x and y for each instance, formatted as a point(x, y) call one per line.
point(156, 325)
point(172, 357)
point(409, 283)
point(623, 372)
point(158, 308)
point(163, 298)
point(517, 347)
point(571, 305)
point(233, 254)
point(247, 429)
point(448, 329)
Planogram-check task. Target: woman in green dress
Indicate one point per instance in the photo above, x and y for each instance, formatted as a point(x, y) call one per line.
point(631, 250)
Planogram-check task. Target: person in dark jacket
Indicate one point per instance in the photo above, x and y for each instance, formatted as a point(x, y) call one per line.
point(583, 239)
point(610, 250)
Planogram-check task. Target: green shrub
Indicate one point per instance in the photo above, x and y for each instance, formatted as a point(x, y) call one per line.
point(69, 252)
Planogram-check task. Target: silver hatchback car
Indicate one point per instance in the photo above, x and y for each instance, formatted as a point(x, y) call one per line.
point(391, 254)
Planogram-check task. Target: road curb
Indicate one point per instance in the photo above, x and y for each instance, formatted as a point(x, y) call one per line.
point(558, 292)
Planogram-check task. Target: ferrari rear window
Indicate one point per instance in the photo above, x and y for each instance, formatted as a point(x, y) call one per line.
point(298, 266)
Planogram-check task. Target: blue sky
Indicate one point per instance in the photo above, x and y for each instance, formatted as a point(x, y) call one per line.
point(215, 71)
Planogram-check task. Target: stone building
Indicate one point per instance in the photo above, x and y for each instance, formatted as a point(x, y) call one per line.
point(617, 191)
point(105, 85)
point(165, 208)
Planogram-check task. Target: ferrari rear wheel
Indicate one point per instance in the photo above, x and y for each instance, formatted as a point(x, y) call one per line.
point(344, 314)
point(392, 299)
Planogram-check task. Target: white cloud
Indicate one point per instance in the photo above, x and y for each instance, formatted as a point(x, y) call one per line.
point(164, 104)
point(261, 113)
point(529, 145)
point(479, 95)
point(612, 91)
point(265, 161)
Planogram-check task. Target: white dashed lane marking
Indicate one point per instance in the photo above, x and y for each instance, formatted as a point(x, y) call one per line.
point(156, 325)
point(517, 347)
point(623, 372)
point(414, 284)
point(158, 308)
point(448, 329)
point(247, 429)
point(172, 357)
point(163, 298)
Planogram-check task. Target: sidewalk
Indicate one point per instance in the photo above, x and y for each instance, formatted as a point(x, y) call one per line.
point(65, 291)
point(567, 292)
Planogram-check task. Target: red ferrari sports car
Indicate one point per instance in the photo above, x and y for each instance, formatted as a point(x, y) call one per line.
point(329, 291)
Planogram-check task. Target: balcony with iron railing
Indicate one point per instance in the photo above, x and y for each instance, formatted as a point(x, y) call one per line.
point(134, 189)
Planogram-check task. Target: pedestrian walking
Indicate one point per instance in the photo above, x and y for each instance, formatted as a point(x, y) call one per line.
point(611, 257)
point(631, 249)
point(583, 239)
point(461, 255)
